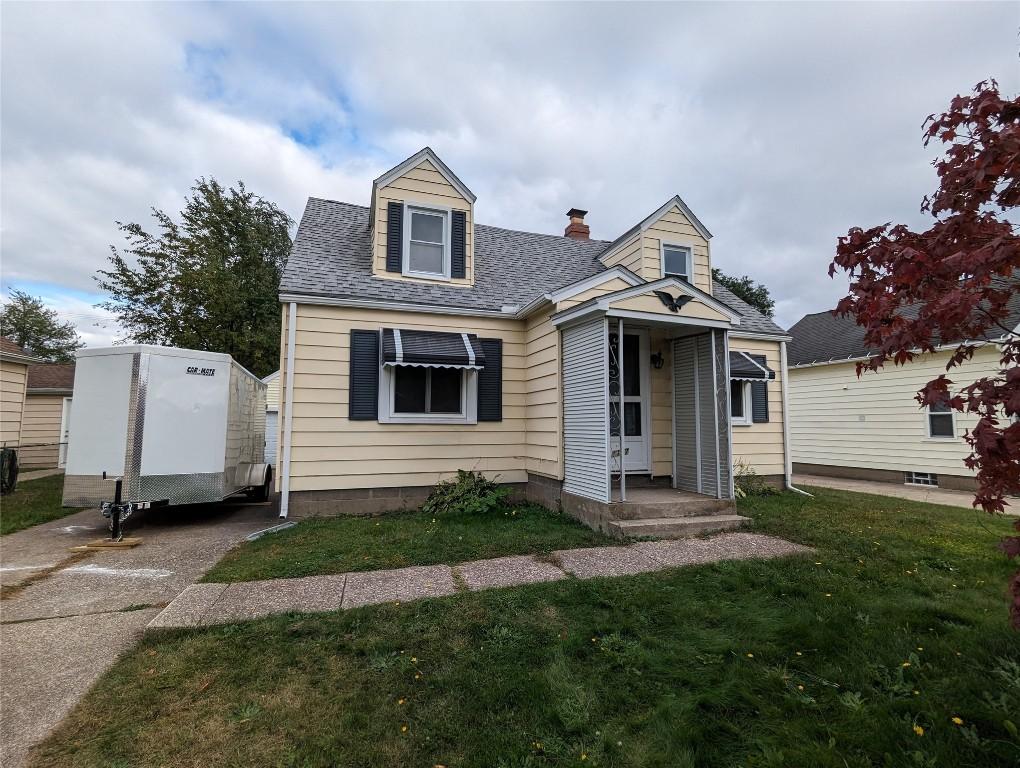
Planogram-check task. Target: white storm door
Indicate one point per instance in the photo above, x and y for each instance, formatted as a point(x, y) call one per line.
point(635, 400)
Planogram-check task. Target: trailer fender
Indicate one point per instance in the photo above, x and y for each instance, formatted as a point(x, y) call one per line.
point(253, 475)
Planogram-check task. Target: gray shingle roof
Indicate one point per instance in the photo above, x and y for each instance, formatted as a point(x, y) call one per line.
point(821, 337)
point(331, 257)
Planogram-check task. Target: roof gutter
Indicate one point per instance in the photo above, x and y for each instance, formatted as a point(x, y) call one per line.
point(916, 351)
point(19, 358)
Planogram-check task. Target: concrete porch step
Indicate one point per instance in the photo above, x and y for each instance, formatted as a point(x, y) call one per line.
point(675, 505)
point(675, 527)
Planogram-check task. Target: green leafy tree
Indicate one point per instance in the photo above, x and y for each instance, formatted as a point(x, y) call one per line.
point(29, 323)
point(755, 294)
point(209, 282)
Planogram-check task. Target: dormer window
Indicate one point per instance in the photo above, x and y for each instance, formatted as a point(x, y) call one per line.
point(676, 262)
point(426, 241)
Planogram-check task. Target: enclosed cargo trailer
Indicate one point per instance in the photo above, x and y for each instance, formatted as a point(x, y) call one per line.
point(175, 426)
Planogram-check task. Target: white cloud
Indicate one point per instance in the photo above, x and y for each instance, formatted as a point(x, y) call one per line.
point(781, 126)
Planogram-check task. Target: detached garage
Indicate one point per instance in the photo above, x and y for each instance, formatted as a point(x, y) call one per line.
point(47, 415)
point(272, 410)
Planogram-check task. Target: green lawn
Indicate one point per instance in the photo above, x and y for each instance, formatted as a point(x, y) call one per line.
point(33, 502)
point(336, 545)
point(832, 659)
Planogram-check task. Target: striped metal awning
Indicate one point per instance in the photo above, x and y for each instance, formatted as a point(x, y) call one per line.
point(745, 367)
point(432, 349)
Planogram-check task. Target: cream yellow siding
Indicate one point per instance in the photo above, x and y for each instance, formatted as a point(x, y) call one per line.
point(273, 393)
point(609, 286)
point(330, 451)
point(421, 184)
point(760, 446)
point(675, 228)
point(661, 381)
point(13, 376)
point(874, 422)
point(542, 371)
point(649, 302)
point(627, 255)
point(642, 253)
point(40, 432)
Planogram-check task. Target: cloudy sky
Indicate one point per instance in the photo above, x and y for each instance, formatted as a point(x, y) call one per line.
point(780, 125)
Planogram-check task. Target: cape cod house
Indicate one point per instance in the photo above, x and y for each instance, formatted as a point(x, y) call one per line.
point(595, 375)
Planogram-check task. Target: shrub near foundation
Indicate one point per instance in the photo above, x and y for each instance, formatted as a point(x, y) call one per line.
point(470, 493)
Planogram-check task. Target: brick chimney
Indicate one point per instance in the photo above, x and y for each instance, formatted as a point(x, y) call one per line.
point(577, 229)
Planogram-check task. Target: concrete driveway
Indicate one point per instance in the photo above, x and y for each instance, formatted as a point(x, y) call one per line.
point(67, 616)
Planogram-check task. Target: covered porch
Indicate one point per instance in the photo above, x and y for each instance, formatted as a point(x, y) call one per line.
point(646, 412)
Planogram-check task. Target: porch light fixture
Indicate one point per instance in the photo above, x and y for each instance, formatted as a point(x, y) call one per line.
point(658, 361)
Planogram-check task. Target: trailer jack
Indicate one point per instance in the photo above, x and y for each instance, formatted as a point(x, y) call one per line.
point(117, 511)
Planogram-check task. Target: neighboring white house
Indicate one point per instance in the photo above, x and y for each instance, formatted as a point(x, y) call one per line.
point(272, 409)
point(871, 427)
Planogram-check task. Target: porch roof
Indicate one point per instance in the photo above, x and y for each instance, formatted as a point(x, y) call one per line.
point(654, 302)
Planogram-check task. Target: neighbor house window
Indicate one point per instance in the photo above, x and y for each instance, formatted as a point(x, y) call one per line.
point(427, 242)
point(427, 390)
point(940, 421)
point(676, 261)
point(921, 478)
point(740, 403)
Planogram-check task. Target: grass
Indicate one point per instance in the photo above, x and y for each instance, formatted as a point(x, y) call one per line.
point(32, 503)
point(336, 545)
point(897, 622)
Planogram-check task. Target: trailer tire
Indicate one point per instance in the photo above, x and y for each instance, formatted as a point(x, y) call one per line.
point(264, 491)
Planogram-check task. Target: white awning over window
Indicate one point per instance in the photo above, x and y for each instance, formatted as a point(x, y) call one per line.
point(432, 349)
point(745, 367)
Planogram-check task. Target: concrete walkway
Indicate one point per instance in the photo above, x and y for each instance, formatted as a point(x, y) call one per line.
point(66, 616)
point(896, 490)
point(206, 604)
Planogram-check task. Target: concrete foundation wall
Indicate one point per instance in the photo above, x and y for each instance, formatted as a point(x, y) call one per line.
point(949, 482)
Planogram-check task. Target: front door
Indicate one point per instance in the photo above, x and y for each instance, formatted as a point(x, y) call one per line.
point(635, 401)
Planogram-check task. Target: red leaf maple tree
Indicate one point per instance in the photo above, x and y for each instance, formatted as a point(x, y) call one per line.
point(954, 285)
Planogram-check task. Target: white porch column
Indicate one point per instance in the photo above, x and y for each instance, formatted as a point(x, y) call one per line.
point(619, 399)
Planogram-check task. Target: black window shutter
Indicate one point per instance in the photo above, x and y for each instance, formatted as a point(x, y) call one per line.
point(490, 381)
point(458, 248)
point(394, 237)
point(363, 392)
point(759, 402)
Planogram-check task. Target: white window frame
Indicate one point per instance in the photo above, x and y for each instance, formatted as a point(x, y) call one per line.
point(912, 477)
point(927, 423)
point(434, 210)
point(689, 277)
point(468, 402)
point(745, 393)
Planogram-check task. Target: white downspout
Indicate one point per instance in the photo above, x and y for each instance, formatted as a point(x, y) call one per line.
point(787, 456)
point(288, 416)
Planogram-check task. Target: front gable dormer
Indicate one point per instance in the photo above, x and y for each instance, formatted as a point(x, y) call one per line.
point(422, 222)
point(670, 242)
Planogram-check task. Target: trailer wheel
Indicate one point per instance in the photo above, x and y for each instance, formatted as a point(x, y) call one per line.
point(264, 491)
